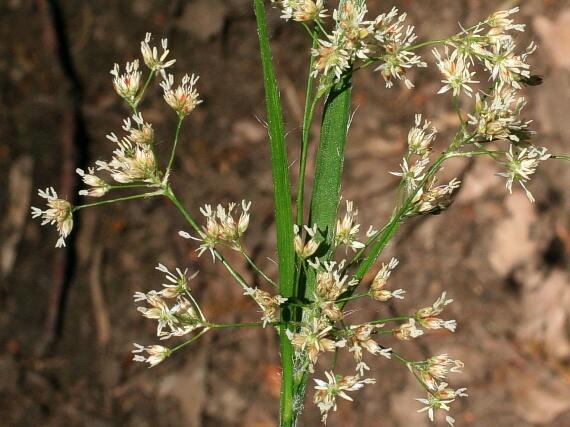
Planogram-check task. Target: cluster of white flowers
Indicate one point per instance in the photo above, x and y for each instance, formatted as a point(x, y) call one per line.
point(301, 10)
point(268, 303)
point(133, 160)
point(385, 39)
point(59, 212)
point(127, 85)
point(324, 327)
point(336, 386)
point(347, 229)
point(521, 163)
point(150, 54)
point(179, 319)
point(222, 227)
point(184, 99)
point(305, 248)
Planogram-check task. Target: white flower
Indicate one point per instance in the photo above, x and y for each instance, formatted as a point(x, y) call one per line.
point(457, 76)
point(499, 23)
point(347, 229)
point(426, 316)
point(142, 133)
point(498, 116)
point(178, 285)
point(327, 391)
point(521, 165)
point(150, 54)
point(313, 340)
point(302, 10)
point(268, 303)
point(184, 98)
point(420, 138)
point(440, 400)
point(98, 186)
point(407, 331)
point(127, 85)
point(377, 290)
point(222, 227)
point(331, 57)
point(306, 249)
point(506, 65)
point(58, 213)
point(155, 354)
point(412, 175)
point(131, 162)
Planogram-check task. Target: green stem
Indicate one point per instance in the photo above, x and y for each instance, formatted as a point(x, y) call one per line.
point(283, 211)
point(141, 94)
point(172, 197)
point(256, 268)
point(307, 121)
point(120, 199)
point(235, 325)
point(173, 152)
point(560, 157)
point(390, 319)
point(190, 341)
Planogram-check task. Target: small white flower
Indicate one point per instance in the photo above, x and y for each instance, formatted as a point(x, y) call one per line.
point(98, 186)
point(151, 57)
point(457, 76)
point(306, 249)
point(155, 354)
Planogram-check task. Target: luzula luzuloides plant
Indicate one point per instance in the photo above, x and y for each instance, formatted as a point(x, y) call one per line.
point(324, 260)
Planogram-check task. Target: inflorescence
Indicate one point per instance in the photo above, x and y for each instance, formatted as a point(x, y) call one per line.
point(493, 127)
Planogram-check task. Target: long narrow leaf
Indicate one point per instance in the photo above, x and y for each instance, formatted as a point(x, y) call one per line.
point(283, 212)
point(279, 163)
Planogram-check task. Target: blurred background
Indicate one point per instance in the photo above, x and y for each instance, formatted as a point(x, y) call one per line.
point(67, 320)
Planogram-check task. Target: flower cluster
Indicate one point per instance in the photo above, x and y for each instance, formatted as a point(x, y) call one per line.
point(347, 229)
point(268, 303)
point(386, 40)
point(378, 289)
point(127, 85)
point(222, 227)
point(150, 54)
point(336, 386)
point(520, 164)
point(184, 99)
point(173, 320)
point(181, 318)
point(301, 10)
point(59, 212)
point(132, 161)
point(305, 248)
